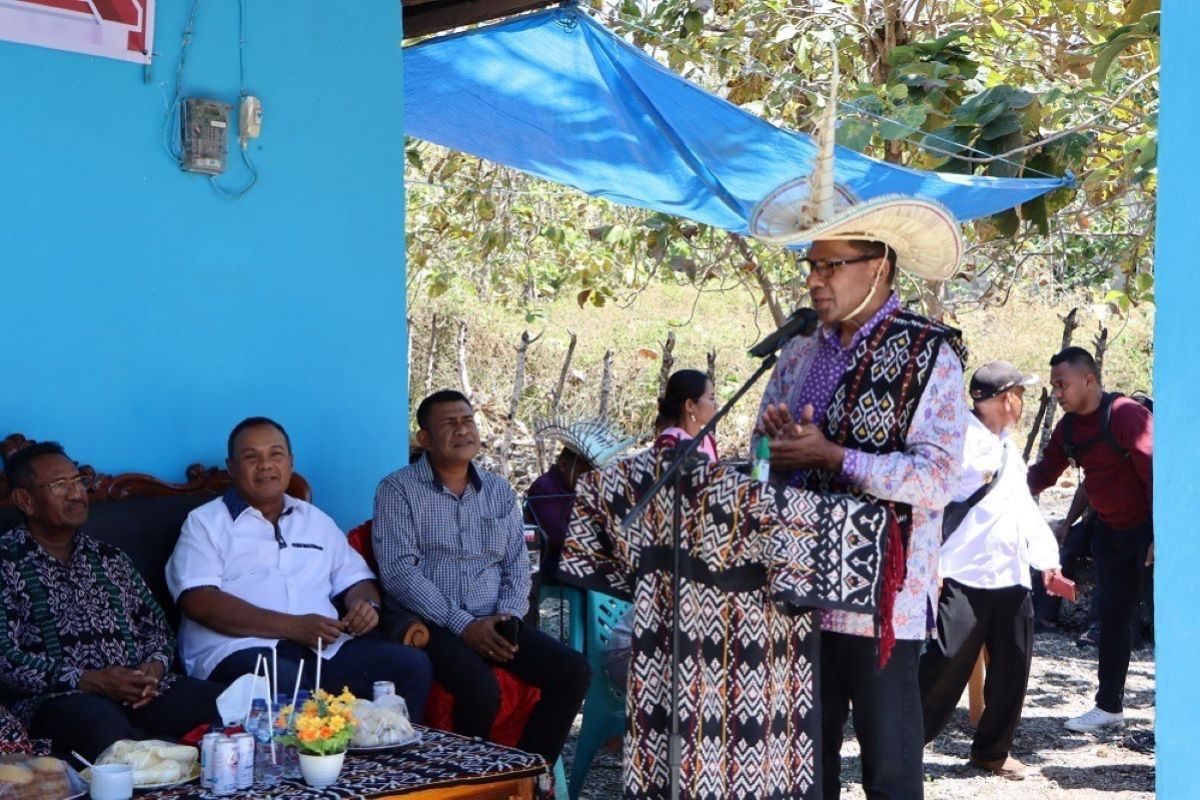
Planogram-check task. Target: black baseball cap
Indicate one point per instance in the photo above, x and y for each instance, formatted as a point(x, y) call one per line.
point(997, 377)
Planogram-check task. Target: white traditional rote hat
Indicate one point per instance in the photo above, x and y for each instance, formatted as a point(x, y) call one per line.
point(923, 233)
point(596, 439)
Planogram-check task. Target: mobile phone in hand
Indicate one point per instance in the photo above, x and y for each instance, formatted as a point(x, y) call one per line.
point(509, 629)
point(1061, 587)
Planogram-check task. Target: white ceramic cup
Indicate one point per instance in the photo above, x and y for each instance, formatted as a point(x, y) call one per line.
point(111, 782)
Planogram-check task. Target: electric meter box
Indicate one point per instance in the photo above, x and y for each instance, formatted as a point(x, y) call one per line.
point(205, 133)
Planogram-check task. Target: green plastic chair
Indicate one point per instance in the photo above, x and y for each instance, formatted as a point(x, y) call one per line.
point(604, 705)
point(576, 627)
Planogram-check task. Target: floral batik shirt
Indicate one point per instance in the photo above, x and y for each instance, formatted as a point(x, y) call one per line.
point(63, 619)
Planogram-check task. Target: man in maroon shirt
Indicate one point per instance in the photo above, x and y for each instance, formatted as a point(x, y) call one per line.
point(1110, 437)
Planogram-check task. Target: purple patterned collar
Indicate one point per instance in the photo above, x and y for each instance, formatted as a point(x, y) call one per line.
point(830, 333)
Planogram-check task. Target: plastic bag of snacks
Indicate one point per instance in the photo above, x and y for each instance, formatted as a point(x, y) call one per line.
point(24, 777)
point(383, 723)
point(154, 762)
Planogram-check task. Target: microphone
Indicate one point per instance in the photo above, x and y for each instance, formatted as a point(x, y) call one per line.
point(802, 322)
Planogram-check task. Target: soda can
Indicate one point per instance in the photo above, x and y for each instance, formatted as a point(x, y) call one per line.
point(206, 757)
point(384, 689)
point(225, 768)
point(245, 754)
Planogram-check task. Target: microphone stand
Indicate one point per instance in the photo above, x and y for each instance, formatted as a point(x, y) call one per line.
point(684, 453)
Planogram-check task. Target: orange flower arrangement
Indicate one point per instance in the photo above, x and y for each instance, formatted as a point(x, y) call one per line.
point(324, 725)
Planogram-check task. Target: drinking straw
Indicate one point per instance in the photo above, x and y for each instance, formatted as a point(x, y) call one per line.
point(318, 664)
point(275, 669)
point(257, 666)
point(296, 692)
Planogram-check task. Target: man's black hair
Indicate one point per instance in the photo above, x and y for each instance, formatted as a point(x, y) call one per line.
point(442, 396)
point(875, 249)
point(1077, 357)
point(19, 466)
point(254, 422)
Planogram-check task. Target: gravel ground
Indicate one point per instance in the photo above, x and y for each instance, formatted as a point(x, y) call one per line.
point(1061, 764)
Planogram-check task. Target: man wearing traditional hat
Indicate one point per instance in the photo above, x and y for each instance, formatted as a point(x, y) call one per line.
point(873, 405)
point(587, 444)
point(994, 533)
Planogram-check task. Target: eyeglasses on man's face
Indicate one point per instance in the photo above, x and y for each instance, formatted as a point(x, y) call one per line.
point(826, 267)
point(63, 486)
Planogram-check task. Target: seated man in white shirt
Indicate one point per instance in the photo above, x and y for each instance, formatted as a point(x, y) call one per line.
point(257, 570)
point(985, 566)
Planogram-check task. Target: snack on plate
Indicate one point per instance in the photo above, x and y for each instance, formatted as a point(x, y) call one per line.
point(154, 762)
point(41, 778)
point(382, 722)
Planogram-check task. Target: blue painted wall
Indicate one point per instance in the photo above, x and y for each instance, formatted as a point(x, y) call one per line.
point(1177, 439)
point(145, 315)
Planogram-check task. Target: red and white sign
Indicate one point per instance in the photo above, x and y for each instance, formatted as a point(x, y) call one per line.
point(122, 29)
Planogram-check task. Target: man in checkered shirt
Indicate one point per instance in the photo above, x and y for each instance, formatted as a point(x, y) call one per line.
point(451, 548)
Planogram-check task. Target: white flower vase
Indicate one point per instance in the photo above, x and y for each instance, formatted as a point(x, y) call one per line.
point(321, 771)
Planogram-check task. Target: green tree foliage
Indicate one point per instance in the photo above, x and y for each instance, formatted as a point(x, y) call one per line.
point(1020, 88)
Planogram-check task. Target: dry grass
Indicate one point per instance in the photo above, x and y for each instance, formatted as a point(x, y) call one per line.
point(1024, 332)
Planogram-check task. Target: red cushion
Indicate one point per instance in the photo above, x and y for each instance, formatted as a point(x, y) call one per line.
point(360, 540)
point(517, 698)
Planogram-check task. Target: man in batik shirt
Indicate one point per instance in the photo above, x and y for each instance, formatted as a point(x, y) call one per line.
point(85, 651)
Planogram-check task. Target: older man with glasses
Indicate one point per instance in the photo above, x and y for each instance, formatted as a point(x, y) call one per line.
point(85, 651)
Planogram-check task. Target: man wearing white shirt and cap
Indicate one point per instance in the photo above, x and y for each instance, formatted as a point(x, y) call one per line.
point(993, 534)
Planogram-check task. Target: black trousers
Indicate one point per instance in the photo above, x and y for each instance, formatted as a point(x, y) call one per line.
point(968, 619)
point(89, 723)
point(357, 665)
point(887, 716)
point(1120, 570)
point(562, 675)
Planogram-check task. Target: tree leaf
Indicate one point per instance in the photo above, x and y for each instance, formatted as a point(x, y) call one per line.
point(693, 22)
point(952, 139)
point(903, 121)
point(1036, 212)
point(1111, 51)
point(1003, 125)
point(855, 134)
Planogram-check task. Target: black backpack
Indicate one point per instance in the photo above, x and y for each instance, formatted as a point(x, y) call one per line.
point(1075, 450)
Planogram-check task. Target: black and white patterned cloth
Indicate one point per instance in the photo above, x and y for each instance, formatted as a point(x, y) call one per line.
point(756, 560)
point(13, 738)
point(439, 760)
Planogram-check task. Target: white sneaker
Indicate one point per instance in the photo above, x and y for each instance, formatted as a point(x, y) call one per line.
point(1095, 720)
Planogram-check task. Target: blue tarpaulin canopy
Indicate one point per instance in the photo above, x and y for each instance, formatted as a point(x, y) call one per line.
point(557, 95)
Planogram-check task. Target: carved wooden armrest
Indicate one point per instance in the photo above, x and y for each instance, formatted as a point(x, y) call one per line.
point(417, 635)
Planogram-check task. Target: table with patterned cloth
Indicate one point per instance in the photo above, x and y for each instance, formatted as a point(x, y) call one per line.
point(441, 764)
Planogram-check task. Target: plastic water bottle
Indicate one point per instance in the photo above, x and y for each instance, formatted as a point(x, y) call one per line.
point(761, 470)
point(258, 710)
point(268, 757)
